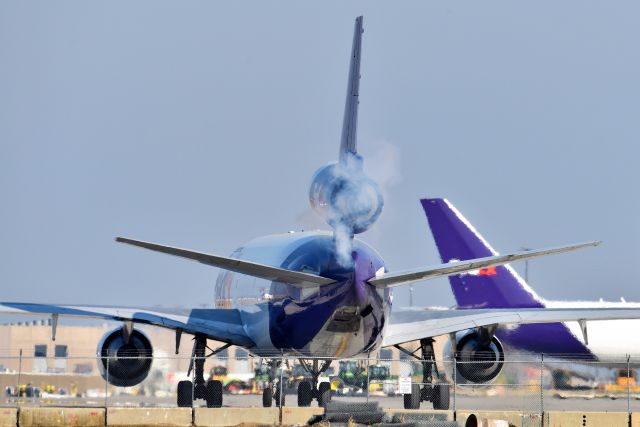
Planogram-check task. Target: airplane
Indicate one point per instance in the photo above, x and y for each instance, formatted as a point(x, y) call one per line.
point(502, 287)
point(315, 296)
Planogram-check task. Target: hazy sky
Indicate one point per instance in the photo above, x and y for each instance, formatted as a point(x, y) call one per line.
point(200, 124)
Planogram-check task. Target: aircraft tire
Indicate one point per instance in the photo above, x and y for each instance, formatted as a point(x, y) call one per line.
point(324, 393)
point(441, 396)
point(412, 400)
point(267, 397)
point(213, 395)
point(304, 394)
point(185, 394)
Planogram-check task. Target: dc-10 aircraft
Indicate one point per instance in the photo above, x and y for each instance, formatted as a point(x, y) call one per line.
point(314, 296)
point(501, 287)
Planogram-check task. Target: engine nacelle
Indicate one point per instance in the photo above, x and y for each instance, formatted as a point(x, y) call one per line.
point(122, 363)
point(344, 197)
point(477, 360)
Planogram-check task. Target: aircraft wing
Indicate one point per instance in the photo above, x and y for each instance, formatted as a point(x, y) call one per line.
point(413, 324)
point(218, 324)
point(388, 280)
point(295, 278)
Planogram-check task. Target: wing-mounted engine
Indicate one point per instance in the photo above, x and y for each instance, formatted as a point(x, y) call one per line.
point(125, 357)
point(479, 355)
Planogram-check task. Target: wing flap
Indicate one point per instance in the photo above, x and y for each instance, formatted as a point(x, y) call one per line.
point(268, 272)
point(389, 280)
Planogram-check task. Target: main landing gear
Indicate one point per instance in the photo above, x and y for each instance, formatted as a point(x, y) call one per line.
point(438, 393)
point(210, 391)
point(309, 390)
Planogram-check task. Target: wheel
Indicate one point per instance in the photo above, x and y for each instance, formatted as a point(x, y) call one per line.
point(304, 393)
point(324, 393)
point(185, 394)
point(441, 396)
point(213, 394)
point(278, 396)
point(412, 401)
point(267, 397)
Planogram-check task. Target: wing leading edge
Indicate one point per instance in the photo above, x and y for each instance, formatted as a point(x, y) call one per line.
point(296, 278)
point(218, 324)
point(414, 324)
point(388, 280)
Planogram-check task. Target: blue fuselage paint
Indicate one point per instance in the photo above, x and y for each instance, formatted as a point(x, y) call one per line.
point(342, 319)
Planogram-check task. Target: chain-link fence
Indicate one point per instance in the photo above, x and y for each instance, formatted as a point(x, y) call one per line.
point(529, 385)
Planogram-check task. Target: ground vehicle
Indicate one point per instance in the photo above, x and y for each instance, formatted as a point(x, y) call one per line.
point(625, 380)
point(353, 377)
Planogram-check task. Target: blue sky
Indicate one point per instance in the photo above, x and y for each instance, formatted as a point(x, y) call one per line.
point(200, 124)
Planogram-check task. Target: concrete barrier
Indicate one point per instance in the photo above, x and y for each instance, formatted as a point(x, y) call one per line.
point(409, 415)
point(61, 417)
point(226, 417)
point(580, 419)
point(635, 419)
point(8, 417)
point(519, 419)
point(292, 415)
point(156, 417)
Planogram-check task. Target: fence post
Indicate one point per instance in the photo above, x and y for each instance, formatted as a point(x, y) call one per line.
point(455, 382)
point(106, 383)
point(628, 385)
point(19, 374)
point(368, 355)
point(541, 386)
point(280, 384)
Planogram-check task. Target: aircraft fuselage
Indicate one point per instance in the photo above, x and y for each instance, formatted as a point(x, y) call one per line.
point(342, 319)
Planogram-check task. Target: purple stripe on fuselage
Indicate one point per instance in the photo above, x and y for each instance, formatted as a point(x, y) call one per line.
point(497, 287)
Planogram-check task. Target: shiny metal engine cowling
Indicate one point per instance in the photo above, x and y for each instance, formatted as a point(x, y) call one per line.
point(478, 361)
point(124, 363)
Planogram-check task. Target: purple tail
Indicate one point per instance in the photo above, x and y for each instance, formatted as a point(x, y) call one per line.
point(494, 287)
point(456, 239)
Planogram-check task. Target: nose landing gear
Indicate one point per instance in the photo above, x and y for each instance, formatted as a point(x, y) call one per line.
point(273, 393)
point(309, 390)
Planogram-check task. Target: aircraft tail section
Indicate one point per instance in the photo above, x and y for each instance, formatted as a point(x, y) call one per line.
point(457, 239)
point(350, 121)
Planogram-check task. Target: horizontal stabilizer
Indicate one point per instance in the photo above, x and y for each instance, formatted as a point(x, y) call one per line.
point(459, 267)
point(249, 268)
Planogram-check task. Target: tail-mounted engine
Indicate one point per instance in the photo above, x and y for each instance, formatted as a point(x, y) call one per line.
point(125, 357)
point(479, 357)
point(344, 197)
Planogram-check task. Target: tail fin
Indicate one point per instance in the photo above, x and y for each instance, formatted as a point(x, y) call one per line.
point(350, 121)
point(457, 239)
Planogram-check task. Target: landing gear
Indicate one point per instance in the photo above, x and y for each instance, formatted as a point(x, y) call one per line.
point(185, 394)
point(210, 391)
point(439, 393)
point(272, 394)
point(309, 390)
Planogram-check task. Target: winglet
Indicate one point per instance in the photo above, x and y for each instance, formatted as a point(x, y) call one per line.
point(350, 121)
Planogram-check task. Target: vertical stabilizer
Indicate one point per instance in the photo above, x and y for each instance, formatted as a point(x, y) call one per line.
point(457, 239)
point(350, 121)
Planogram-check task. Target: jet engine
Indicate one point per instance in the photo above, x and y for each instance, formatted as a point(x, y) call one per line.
point(479, 358)
point(344, 197)
point(125, 358)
